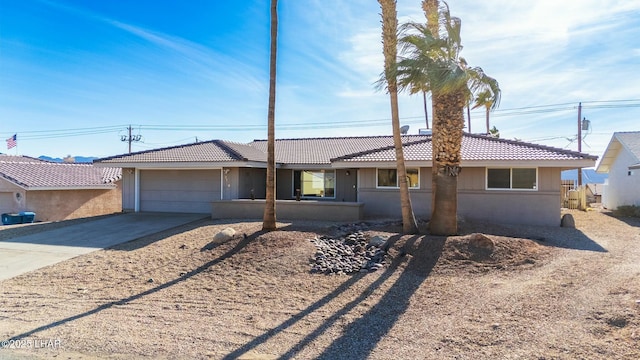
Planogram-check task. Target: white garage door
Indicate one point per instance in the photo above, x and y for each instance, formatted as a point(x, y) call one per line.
point(182, 191)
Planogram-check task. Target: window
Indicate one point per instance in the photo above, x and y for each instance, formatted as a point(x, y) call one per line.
point(315, 183)
point(513, 179)
point(389, 178)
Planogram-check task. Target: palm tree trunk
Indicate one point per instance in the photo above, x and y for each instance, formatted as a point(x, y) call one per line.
point(469, 118)
point(389, 44)
point(269, 217)
point(487, 118)
point(448, 122)
point(426, 112)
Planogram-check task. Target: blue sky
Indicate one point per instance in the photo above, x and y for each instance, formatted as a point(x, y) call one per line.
point(75, 74)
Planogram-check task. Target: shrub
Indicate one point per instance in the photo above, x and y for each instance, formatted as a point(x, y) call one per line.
point(627, 210)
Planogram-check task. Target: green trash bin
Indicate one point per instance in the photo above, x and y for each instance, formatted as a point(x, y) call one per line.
point(11, 219)
point(27, 216)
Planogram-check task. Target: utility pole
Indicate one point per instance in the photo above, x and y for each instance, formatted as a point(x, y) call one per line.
point(130, 138)
point(580, 140)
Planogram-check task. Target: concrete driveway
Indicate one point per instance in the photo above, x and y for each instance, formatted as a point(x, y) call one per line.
point(30, 252)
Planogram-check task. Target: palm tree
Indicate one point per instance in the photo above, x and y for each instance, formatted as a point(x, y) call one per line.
point(415, 82)
point(433, 50)
point(269, 217)
point(489, 97)
point(389, 44)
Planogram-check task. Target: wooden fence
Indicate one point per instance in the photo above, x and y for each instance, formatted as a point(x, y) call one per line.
point(572, 196)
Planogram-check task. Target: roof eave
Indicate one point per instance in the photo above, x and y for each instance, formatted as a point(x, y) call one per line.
point(306, 166)
point(75, 187)
point(565, 164)
point(170, 165)
point(609, 155)
point(157, 165)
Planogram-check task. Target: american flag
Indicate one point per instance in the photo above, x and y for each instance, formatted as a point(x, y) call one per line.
point(12, 141)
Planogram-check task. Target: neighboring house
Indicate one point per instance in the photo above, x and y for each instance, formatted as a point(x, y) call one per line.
point(57, 191)
point(621, 160)
point(502, 181)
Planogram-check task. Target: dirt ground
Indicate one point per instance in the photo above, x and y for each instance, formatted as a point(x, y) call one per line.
point(530, 293)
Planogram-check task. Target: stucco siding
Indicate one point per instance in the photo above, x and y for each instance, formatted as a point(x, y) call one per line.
point(386, 203)
point(189, 191)
point(471, 179)
point(230, 178)
point(531, 208)
point(284, 184)
point(9, 202)
point(252, 180)
point(622, 188)
point(56, 205)
point(540, 207)
point(549, 180)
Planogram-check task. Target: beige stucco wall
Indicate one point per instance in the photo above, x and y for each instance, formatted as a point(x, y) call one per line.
point(251, 179)
point(55, 205)
point(9, 202)
point(541, 207)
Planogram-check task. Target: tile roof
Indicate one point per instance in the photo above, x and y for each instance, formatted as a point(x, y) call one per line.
point(474, 148)
point(10, 158)
point(208, 151)
point(246, 151)
point(32, 173)
point(323, 151)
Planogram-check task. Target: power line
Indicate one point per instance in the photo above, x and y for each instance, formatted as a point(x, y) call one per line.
point(526, 110)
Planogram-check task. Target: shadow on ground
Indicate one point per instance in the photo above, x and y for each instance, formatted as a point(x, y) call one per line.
point(14, 231)
point(378, 321)
point(562, 237)
point(631, 221)
point(242, 244)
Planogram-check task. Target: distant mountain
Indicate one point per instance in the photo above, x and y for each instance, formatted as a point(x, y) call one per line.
point(79, 159)
point(589, 176)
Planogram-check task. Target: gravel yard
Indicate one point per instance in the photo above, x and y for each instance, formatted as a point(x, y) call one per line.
point(518, 293)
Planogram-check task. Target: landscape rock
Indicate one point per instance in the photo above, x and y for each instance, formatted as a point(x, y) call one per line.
point(224, 235)
point(351, 253)
point(481, 241)
point(377, 241)
point(568, 221)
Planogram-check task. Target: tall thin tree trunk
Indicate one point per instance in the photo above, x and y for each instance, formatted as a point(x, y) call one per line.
point(469, 118)
point(487, 118)
point(389, 44)
point(269, 217)
point(426, 112)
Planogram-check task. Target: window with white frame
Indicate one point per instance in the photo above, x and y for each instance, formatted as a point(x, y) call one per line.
point(512, 178)
point(388, 178)
point(315, 183)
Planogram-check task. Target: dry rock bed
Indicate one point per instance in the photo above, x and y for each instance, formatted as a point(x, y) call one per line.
point(339, 291)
